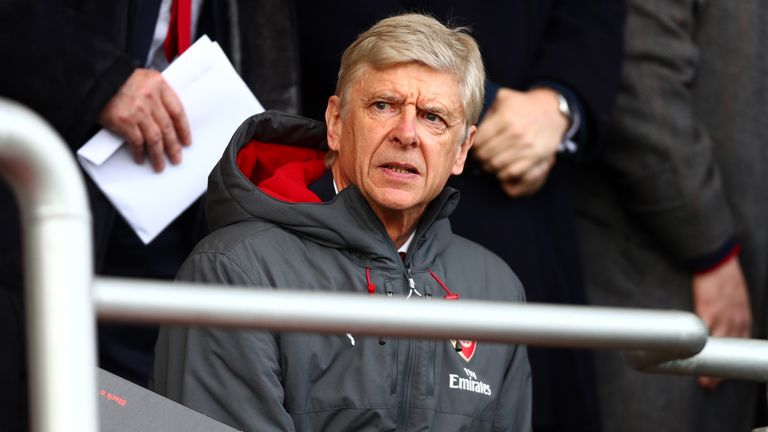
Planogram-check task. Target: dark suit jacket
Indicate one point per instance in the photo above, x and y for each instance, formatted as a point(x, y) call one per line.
point(65, 59)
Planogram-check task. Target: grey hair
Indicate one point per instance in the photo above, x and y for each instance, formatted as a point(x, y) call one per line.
point(422, 39)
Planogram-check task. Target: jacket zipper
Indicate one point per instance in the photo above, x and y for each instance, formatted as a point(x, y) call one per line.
point(395, 349)
point(407, 384)
point(408, 372)
point(432, 353)
point(411, 283)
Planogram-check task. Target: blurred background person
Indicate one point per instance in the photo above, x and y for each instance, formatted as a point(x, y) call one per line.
point(673, 213)
point(84, 65)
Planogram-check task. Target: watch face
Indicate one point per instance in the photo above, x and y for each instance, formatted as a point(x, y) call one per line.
point(563, 106)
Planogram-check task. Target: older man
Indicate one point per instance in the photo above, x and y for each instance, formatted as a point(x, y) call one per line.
point(402, 120)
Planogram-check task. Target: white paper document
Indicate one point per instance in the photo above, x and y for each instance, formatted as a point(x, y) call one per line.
point(216, 101)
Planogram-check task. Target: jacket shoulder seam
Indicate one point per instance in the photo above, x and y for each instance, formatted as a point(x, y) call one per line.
point(226, 256)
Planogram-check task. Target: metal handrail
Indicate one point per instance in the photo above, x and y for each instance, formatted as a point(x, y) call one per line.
point(744, 359)
point(58, 271)
point(675, 334)
point(653, 340)
point(61, 315)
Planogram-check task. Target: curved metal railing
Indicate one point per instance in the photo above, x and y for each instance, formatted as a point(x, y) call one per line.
point(56, 225)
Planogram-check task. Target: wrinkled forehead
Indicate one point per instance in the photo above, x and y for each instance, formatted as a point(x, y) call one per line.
point(411, 81)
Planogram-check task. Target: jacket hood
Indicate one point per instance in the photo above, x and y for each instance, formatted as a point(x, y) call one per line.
point(265, 174)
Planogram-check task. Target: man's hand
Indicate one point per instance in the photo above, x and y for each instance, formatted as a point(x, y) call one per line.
point(721, 300)
point(518, 138)
point(148, 114)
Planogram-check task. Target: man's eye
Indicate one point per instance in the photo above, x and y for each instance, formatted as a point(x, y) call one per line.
point(381, 106)
point(433, 118)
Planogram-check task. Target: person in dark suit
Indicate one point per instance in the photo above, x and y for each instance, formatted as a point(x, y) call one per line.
point(553, 69)
point(83, 65)
point(673, 212)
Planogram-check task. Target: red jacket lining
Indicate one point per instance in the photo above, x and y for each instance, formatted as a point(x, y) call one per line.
point(281, 171)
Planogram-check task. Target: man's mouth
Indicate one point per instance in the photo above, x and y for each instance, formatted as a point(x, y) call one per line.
point(401, 168)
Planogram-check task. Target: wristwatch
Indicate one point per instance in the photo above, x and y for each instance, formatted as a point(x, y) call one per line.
point(572, 116)
point(574, 121)
point(564, 108)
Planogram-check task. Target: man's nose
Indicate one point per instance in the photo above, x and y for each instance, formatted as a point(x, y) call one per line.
point(404, 132)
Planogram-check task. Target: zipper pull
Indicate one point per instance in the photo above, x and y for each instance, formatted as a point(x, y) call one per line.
point(388, 292)
point(371, 286)
point(448, 296)
point(411, 283)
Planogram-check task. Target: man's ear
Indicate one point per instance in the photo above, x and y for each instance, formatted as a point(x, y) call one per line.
point(461, 155)
point(333, 122)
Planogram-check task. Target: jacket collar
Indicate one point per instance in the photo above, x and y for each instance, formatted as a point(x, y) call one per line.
point(345, 222)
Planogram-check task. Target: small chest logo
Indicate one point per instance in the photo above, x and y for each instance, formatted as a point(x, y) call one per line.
point(465, 348)
point(471, 383)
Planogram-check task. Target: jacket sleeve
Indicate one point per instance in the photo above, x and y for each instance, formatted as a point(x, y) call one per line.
point(59, 64)
point(515, 395)
point(658, 151)
point(233, 376)
point(581, 49)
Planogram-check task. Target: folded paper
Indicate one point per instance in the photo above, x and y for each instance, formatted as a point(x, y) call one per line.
point(216, 101)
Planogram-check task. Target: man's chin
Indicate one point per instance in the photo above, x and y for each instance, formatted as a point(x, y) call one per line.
point(394, 199)
point(395, 205)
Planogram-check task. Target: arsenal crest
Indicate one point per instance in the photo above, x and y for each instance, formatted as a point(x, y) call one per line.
point(465, 348)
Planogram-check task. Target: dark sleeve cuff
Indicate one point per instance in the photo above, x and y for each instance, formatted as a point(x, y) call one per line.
point(709, 262)
point(491, 88)
point(577, 108)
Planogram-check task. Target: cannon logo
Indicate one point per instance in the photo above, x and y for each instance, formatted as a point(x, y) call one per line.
point(465, 348)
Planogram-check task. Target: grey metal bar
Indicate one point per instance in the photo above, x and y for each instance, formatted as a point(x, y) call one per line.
point(57, 268)
point(677, 334)
point(745, 359)
point(653, 340)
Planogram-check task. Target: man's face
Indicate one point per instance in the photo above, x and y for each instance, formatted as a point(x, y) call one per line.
point(400, 136)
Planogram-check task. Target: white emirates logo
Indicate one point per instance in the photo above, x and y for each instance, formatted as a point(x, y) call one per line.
point(471, 383)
